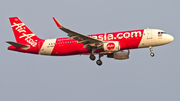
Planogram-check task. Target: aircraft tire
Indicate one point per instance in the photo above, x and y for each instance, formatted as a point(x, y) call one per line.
point(99, 62)
point(152, 54)
point(92, 57)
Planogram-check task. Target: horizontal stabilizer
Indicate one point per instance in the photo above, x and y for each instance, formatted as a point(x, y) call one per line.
point(17, 44)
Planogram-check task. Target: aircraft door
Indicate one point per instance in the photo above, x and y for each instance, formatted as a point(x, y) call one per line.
point(149, 34)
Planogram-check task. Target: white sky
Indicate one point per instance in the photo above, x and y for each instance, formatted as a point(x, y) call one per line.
point(28, 77)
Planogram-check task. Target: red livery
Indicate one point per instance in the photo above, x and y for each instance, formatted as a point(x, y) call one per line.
point(115, 45)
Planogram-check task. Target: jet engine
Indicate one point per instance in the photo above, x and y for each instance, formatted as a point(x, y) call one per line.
point(121, 55)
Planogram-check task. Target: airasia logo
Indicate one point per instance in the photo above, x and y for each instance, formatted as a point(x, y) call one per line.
point(20, 27)
point(110, 46)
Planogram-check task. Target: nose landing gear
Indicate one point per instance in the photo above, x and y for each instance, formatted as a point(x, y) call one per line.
point(152, 54)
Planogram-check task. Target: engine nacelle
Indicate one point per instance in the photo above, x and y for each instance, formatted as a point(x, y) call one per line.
point(121, 55)
point(112, 46)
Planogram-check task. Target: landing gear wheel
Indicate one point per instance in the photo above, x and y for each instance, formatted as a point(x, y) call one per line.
point(152, 54)
point(92, 57)
point(99, 62)
point(151, 50)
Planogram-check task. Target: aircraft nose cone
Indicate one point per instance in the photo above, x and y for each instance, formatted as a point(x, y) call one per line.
point(171, 38)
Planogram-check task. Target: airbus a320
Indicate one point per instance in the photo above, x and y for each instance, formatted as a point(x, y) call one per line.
point(114, 45)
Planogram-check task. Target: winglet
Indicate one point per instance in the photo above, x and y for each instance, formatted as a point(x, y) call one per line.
point(57, 23)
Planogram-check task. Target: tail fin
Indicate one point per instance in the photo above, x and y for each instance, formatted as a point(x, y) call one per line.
point(22, 33)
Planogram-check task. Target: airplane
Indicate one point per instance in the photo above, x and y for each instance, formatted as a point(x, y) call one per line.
point(115, 44)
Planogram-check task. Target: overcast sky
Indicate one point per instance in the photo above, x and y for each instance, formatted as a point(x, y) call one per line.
point(28, 77)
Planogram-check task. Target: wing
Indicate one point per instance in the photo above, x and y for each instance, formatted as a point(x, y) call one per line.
point(86, 40)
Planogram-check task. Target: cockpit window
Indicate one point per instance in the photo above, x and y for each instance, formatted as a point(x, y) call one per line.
point(161, 32)
point(164, 32)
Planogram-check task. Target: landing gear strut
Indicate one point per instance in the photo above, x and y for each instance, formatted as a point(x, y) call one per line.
point(152, 54)
point(99, 62)
point(92, 57)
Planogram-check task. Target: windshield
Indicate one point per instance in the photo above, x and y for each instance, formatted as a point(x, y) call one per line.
point(161, 32)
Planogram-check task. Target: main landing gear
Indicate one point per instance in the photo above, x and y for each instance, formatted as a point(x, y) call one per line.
point(99, 62)
point(152, 54)
point(92, 57)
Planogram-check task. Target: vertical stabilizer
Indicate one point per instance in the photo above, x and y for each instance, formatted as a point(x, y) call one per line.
point(22, 33)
